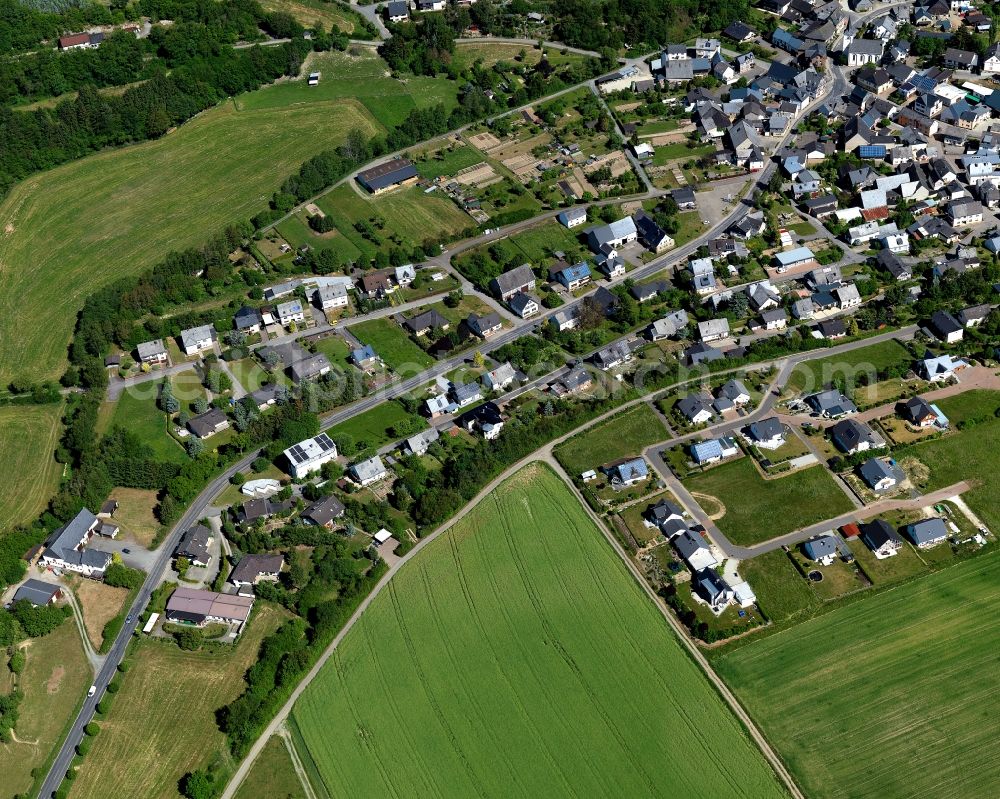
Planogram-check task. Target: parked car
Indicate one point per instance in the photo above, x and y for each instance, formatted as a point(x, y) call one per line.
point(92, 691)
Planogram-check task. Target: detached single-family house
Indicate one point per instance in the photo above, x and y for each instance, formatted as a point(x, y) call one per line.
point(194, 545)
point(484, 326)
point(513, 282)
point(572, 217)
point(500, 378)
point(614, 355)
point(323, 512)
point(831, 404)
point(662, 512)
point(309, 456)
point(398, 11)
point(310, 368)
point(714, 450)
point(881, 474)
point(197, 339)
point(290, 313)
point(207, 424)
point(974, 316)
point(365, 357)
point(626, 472)
point(524, 305)
point(712, 588)
point(573, 277)
point(486, 418)
point(822, 549)
point(918, 412)
point(851, 436)
point(152, 352)
point(694, 549)
point(927, 532)
point(248, 320)
point(880, 538)
point(66, 549)
point(735, 392)
point(423, 323)
point(329, 297)
point(696, 408)
point(466, 393)
point(616, 235)
point(767, 433)
point(420, 443)
point(368, 471)
point(941, 368)
point(947, 327)
point(713, 329)
point(253, 569)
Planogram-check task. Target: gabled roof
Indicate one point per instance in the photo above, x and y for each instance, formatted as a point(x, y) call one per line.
point(767, 429)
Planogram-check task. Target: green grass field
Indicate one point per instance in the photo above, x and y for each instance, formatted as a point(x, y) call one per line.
point(517, 657)
point(391, 344)
point(448, 161)
point(137, 413)
point(55, 679)
point(364, 78)
point(621, 436)
point(408, 217)
point(126, 209)
point(781, 591)
point(272, 775)
point(896, 695)
point(975, 404)
point(162, 723)
point(759, 509)
point(373, 427)
point(812, 375)
point(29, 435)
point(311, 13)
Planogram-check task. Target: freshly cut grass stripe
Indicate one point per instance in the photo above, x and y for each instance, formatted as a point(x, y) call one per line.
point(515, 656)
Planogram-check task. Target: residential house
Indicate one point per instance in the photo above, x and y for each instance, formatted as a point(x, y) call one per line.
point(576, 379)
point(763, 296)
point(713, 450)
point(572, 217)
point(484, 326)
point(670, 325)
point(207, 424)
point(616, 235)
point(247, 320)
point(565, 319)
point(405, 275)
point(832, 329)
point(197, 339)
point(963, 213)
point(851, 436)
point(864, 51)
point(918, 412)
point(323, 512)
point(513, 282)
point(695, 551)
point(152, 352)
point(662, 512)
point(766, 434)
point(831, 404)
point(888, 261)
point(500, 378)
point(330, 297)
point(267, 395)
point(614, 355)
point(847, 296)
point(254, 569)
point(66, 549)
point(653, 237)
point(573, 277)
point(960, 59)
point(368, 471)
point(947, 328)
point(311, 367)
point(701, 353)
point(255, 510)
point(822, 549)
point(940, 368)
point(735, 392)
point(703, 272)
point(486, 418)
point(439, 405)
point(708, 585)
point(881, 474)
point(880, 538)
point(974, 316)
point(524, 305)
point(805, 182)
point(466, 393)
point(365, 357)
point(398, 11)
point(420, 443)
point(713, 329)
point(790, 259)
point(696, 408)
point(774, 319)
point(377, 285)
point(194, 544)
point(196, 608)
point(423, 323)
point(927, 532)
point(309, 456)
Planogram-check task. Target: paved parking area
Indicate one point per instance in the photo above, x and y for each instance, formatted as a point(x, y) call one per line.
point(137, 557)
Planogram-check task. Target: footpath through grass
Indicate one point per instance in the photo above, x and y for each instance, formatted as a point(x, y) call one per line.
point(759, 509)
point(517, 657)
point(897, 695)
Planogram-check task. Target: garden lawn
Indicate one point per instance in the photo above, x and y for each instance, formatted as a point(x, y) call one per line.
point(810, 376)
point(364, 78)
point(759, 509)
point(125, 209)
point(162, 722)
point(666, 153)
point(55, 679)
point(373, 428)
point(624, 435)
point(29, 435)
point(909, 674)
point(975, 404)
point(296, 231)
point(781, 591)
point(139, 415)
point(516, 656)
point(448, 161)
point(391, 344)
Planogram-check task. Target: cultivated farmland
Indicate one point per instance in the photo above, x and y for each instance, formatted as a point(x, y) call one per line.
point(757, 509)
point(627, 434)
point(272, 775)
point(517, 657)
point(126, 209)
point(896, 695)
point(28, 438)
point(162, 723)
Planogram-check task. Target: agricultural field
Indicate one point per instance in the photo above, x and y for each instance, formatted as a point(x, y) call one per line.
point(374, 428)
point(757, 509)
point(55, 680)
point(313, 13)
point(909, 672)
point(357, 76)
point(272, 775)
point(404, 217)
point(392, 344)
point(162, 723)
point(29, 435)
point(505, 666)
point(812, 375)
point(623, 435)
point(138, 204)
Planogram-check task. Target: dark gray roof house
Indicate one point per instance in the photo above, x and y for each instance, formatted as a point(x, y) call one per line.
point(67, 546)
point(208, 423)
point(425, 322)
point(851, 436)
point(881, 474)
point(252, 568)
point(194, 545)
point(515, 281)
point(831, 404)
point(323, 511)
point(247, 318)
point(824, 546)
point(879, 536)
point(926, 532)
point(37, 592)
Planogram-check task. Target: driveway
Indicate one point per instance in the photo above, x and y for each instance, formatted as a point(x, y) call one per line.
point(138, 557)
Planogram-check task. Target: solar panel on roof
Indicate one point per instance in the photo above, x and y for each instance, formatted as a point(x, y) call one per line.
point(324, 442)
